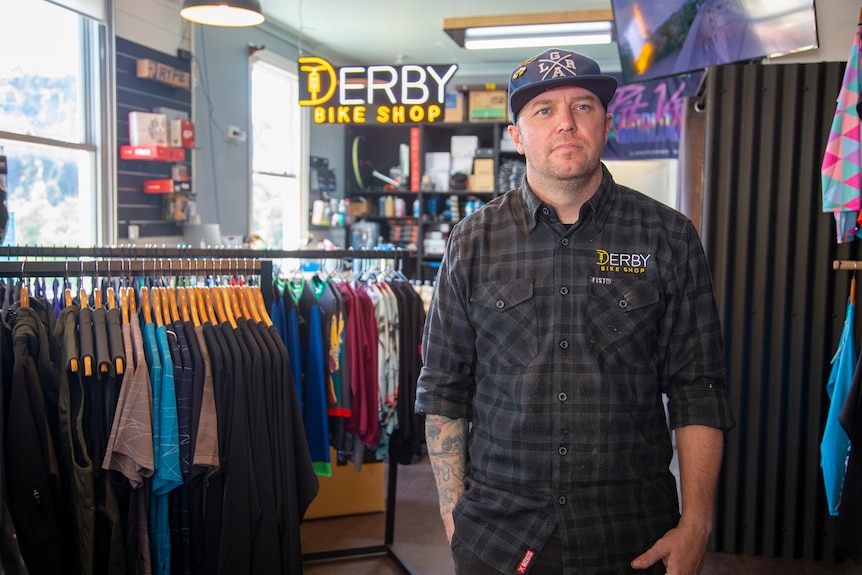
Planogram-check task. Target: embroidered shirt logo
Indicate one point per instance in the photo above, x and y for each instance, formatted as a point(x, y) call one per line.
point(525, 562)
point(557, 65)
point(622, 262)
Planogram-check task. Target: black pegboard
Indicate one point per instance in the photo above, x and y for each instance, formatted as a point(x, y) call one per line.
point(140, 94)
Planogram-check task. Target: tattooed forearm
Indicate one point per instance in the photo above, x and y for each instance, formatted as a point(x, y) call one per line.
point(447, 450)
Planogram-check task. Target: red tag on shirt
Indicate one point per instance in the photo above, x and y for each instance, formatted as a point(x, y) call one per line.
point(525, 562)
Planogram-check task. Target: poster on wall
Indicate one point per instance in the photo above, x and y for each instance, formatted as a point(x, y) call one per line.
point(648, 118)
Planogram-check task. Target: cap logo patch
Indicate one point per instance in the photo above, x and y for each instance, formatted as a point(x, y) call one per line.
point(557, 65)
point(519, 72)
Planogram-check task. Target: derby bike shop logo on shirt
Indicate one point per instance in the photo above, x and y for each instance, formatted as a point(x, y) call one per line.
point(373, 94)
point(621, 262)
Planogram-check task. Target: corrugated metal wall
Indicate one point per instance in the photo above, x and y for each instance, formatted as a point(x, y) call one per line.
point(771, 250)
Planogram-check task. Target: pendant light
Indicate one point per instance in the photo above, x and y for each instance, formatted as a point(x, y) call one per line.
point(234, 13)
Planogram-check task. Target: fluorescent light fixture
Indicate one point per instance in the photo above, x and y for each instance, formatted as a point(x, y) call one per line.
point(576, 28)
point(538, 35)
point(232, 13)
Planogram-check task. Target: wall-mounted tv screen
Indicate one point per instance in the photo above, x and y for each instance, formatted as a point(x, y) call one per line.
point(659, 38)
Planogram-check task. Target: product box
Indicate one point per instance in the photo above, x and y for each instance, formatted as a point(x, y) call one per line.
point(482, 179)
point(181, 134)
point(156, 153)
point(454, 110)
point(148, 129)
point(487, 105)
point(158, 186)
point(175, 207)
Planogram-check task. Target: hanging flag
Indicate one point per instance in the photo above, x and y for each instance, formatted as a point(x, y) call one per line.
point(835, 444)
point(841, 172)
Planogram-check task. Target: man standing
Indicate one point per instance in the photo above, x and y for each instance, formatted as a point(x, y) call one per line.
point(563, 311)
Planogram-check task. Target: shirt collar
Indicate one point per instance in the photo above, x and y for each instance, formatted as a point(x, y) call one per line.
point(596, 209)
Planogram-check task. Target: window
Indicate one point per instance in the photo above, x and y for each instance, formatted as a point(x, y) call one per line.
point(51, 124)
point(277, 206)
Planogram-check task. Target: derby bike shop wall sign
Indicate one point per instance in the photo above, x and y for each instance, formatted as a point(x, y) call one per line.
point(381, 94)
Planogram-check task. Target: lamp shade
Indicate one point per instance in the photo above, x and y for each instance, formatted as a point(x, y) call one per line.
point(234, 13)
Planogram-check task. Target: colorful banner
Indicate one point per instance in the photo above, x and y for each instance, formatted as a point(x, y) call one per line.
point(648, 118)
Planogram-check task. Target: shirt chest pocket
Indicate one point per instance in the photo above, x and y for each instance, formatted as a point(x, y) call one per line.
point(623, 320)
point(504, 314)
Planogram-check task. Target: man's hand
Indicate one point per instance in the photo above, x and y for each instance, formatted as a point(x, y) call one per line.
point(447, 449)
point(682, 549)
point(449, 524)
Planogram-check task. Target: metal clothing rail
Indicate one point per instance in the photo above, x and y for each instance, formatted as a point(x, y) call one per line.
point(156, 260)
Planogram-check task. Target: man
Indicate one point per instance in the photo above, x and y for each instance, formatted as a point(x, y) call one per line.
point(563, 311)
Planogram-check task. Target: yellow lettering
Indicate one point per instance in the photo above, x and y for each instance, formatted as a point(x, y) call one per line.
point(319, 115)
point(434, 112)
point(417, 113)
point(383, 114)
point(359, 114)
point(343, 115)
point(398, 115)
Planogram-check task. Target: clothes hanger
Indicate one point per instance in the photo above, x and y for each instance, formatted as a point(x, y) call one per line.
point(183, 304)
point(261, 306)
point(124, 304)
point(204, 305)
point(224, 293)
point(145, 304)
point(192, 305)
point(23, 295)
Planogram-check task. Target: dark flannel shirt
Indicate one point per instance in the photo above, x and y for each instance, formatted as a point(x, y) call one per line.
point(557, 342)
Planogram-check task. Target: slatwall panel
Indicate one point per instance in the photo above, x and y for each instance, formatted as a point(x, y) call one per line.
point(771, 250)
point(140, 94)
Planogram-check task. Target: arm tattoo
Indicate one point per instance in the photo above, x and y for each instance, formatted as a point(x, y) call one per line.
point(447, 450)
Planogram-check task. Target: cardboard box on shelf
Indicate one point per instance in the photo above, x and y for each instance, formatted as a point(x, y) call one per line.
point(482, 179)
point(162, 73)
point(454, 110)
point(182, 134)
point(153, 153)
point(148, 129)
point(487, 106)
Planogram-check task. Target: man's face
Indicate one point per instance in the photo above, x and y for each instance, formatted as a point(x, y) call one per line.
point(562, 133)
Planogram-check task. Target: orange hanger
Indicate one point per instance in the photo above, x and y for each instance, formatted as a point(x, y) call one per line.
point(261, 306)
point(183, 304)
point(24, 297)
point(224, 293)
point(124, 304)
point(133, 306)
point(68, 296)
point(235, 306)
point(193, 305)
point(145, 305)
point(172, 304)
point(97, 298)
point(112, 298)
point(249, 304)
point(218, 305)
point(204, 308)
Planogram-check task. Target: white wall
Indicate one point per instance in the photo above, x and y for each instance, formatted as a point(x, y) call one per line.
point(155, 24)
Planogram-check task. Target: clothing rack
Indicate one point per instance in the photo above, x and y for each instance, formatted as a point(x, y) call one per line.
point(158, 260)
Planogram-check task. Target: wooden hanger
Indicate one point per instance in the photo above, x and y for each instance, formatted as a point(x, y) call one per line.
point(145, 305)
point(97, 298)
point(214, 296)
point(224, 293)
point(204, 309)
point(133, 307)
point(183, 304)
point(124, 304)
point(67, 293)
point(172, 304)
point(249, 303)
point(261, 306)
point(235, 306)
point(193, 305)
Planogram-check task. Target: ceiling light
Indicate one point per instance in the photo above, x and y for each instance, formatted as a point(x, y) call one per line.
point(234, 13)
point(532, 30)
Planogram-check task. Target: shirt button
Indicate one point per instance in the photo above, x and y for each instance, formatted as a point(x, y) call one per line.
point(562, 500)
point(624, 304)
point(564, 290)
point(564, 344)
point(564, 241)
point(500, 304)
point(563, 450)
point(562, 396)
point(546, 210)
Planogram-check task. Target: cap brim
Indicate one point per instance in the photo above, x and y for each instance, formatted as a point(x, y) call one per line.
point(602, 86)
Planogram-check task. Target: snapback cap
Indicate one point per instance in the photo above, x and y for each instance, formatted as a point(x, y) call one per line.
point(553, 68)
